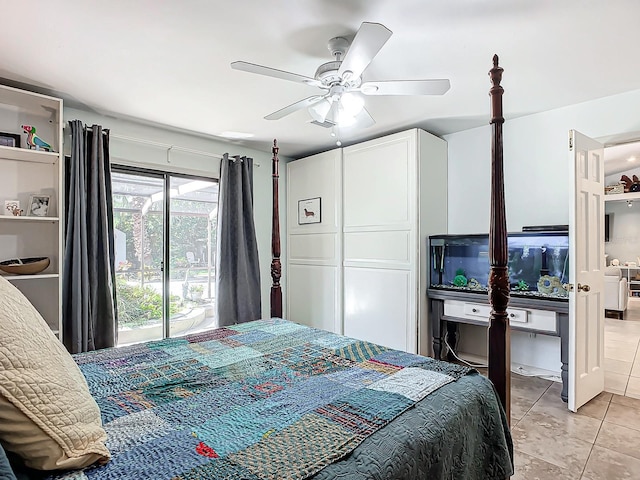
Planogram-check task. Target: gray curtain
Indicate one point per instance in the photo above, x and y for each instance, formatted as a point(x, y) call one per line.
point(88, 282)
point(237, 267)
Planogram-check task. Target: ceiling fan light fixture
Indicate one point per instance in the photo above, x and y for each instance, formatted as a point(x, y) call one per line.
point(352, 104)
point(319, 111)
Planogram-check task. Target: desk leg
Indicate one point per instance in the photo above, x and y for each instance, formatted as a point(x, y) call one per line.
point(437, 310)
point(452, 331)
point(563, 319)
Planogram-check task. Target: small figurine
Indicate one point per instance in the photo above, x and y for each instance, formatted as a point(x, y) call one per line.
point(460, 280)
point(34, 141)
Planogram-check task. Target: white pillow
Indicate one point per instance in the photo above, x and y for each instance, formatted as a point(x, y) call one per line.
point(47, 415)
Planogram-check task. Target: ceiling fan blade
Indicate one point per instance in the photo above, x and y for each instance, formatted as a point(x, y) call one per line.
point(406, 87)
point(294, 107)
point(367, 43)
point(272, 72)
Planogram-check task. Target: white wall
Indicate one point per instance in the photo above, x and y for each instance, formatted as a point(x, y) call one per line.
point(624, 231)
point(535, 161)
point(536, 165)
point(145, 154)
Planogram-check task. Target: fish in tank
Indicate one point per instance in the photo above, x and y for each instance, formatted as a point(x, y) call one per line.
point(538, 263)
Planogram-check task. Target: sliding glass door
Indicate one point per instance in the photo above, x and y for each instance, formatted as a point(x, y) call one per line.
point(165, 253)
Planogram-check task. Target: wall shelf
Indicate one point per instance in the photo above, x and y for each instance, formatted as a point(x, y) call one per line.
point(26, 155)
point(618, 197)
point(38, 276)
point(24, 218)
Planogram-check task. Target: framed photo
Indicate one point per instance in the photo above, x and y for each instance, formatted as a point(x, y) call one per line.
point(10, 139)
point(12, 207)
point(309, 211)
point(38, 205)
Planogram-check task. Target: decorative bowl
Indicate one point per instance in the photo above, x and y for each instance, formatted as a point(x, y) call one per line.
point(25, 266)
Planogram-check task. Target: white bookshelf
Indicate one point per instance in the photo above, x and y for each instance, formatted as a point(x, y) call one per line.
point(25, 172)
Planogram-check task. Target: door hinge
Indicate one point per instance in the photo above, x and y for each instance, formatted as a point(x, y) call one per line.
point(570, 142)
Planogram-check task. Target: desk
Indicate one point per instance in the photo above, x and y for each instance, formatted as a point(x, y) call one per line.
point(549, 317)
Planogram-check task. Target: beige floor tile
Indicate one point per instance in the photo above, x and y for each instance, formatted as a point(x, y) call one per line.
point(626, 401)
point(528, 467)
point(615, 382)
point(622, 337)
point(617, 366)
point(606, 396)
point(620, 439)
point(554, 446)
point(635, 370)
point(605, 464)
point(633, 388)
point(595, 408)
point(561, 421)
point(619, 351)
point(528, 388)
point(623, 415)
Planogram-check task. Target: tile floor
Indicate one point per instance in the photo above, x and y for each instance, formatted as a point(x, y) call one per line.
point(621, 352)
point(601, 441)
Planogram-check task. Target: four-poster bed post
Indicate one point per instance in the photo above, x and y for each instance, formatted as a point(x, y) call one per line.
point(276, 267)
point(499, 336)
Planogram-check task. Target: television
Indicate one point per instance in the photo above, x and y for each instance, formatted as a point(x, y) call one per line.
point(607, 219)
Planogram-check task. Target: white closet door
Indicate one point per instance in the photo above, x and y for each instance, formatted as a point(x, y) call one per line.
point(314, 250)
point(379, 236)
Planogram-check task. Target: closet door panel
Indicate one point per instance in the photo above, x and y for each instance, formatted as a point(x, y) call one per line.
point(380, 183)
point(320, 248)
point(315, 177)
point(381, 248)
point(378, 307)
point(313, 296)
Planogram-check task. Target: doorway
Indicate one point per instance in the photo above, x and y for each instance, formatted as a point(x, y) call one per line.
point(165, 236)
point(622, 248)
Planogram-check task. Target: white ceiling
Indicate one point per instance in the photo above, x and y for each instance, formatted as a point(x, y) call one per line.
point(167, 62)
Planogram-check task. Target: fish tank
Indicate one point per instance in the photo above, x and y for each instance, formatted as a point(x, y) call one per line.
point(538, 263)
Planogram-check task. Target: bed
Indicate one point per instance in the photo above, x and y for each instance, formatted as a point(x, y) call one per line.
point(272, 399)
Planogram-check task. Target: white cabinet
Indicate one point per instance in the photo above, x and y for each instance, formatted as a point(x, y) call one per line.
point(368, 261)
point(24, 173)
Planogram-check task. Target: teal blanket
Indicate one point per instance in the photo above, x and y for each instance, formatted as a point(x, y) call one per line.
point(272, 399)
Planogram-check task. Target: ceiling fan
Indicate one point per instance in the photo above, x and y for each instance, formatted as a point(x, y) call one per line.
point(342, 104)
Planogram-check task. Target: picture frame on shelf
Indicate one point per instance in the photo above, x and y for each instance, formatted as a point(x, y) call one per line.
point(38, 205)
point(309, 211)
point(10, 139)
point(12, 208)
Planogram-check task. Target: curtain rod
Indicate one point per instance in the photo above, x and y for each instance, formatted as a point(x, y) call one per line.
point(169, 147)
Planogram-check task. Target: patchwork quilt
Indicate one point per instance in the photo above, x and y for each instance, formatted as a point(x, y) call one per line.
point(269, 399)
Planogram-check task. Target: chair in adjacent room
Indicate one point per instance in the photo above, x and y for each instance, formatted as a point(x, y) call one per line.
point(616, 295)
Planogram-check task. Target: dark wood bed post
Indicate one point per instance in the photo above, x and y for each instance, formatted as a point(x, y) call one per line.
point(499, 335)
point(276, 267)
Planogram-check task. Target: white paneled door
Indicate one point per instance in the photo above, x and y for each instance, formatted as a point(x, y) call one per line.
point(586, 253)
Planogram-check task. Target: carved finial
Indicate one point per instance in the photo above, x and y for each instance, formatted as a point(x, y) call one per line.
point(496, 72)
point(274, 163)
